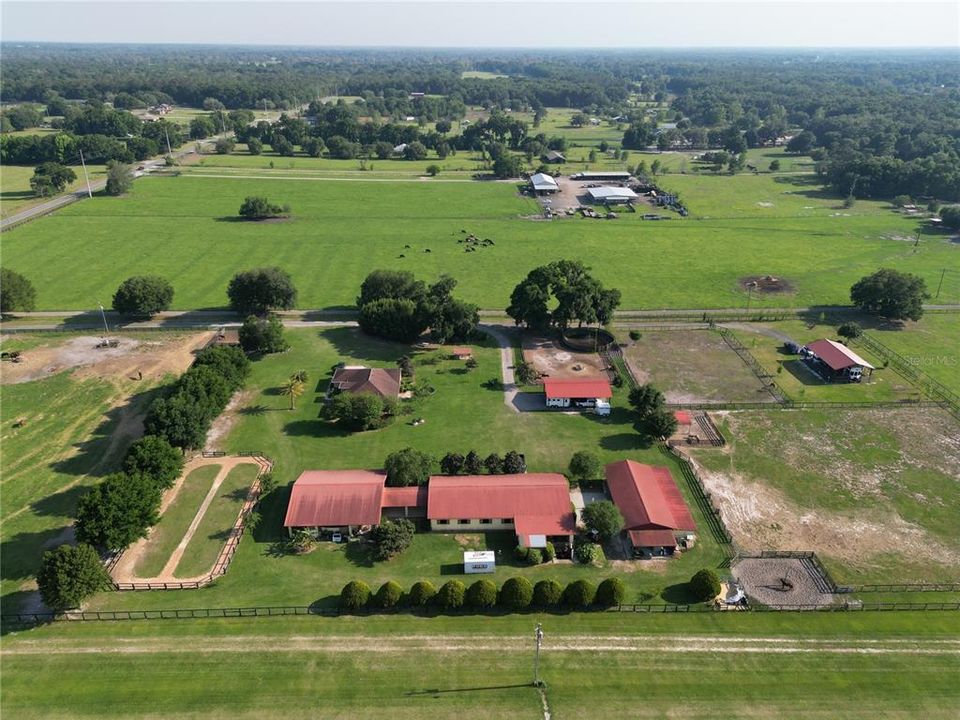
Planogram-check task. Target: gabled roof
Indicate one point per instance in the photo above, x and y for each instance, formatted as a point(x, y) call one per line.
point(554, 155)
point(576, 388)
point(384, 382)
point(647, 497)
point(607, 193)
point(542, 181)
point(538, 503)
point(404, 497)
point(334, 498)
point(836, 355)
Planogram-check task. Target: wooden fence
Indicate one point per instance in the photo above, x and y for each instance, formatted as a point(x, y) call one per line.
point(710, 511)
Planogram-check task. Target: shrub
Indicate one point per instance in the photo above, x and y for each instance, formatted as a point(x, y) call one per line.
point(356, 412)
point(516, 593)
point(472, 464)
point(143, 296)
point(259, 208)
point(391, 537)
point(355, 595)
point(155, 458)
point(421, 594)
point(451, 595)
point(262, 336)
point(635, 335)
point(493, 464)
point(433, 170)
point(396, 319)
point(224, 146)
point(604, 518)
point(659, 424)
point(407, 467)
point(268, 483)
point(588, 553)
point(482, 594)
point(534, 556)
point(547, 594)
point(452, 463)
point(579, 594)
point(850, 330)
point(261, 290)
point(231, 362)
point(611, 592)
point(119, 178)
point(585, 465)
point(513, 463)
point(521, 553)
point(16, 292)
point(704, 585)
point(388, 595)
point(549, 552)
point(69, 575)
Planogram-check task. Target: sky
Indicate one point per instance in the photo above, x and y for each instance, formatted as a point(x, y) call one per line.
point(484, 24)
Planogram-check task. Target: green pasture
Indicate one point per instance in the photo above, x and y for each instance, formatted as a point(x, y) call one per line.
point(221, 515)
point(15, 192)
point(481, 667)
point(176, 519)
point(460, 415)
point(184, 228)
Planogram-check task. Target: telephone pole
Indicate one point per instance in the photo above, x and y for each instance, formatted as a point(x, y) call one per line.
point(538, 633)
point(940, 284)
point(103, 315)
point(85, 176)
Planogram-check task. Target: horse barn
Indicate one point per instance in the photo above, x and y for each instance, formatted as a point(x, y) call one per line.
point(543, 184)
point(600, 176)
point(592, 393)
point(835, 362)
point(655, 515)
point(536, 506)
point(329, 501)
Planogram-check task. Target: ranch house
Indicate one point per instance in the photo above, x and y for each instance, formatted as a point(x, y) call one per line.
point(835, 362)
point(655, 515)
point(384, 382)
point(586, 393)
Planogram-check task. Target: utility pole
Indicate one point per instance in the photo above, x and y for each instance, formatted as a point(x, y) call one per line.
point(85, 176)
point(167, 134)
point(536, 658)
point(940, 284)
point(103, 315)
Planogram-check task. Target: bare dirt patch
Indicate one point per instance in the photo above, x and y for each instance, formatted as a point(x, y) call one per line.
point(766, 284)
point(551, 359)
point(692, 366)
point(130, 359)
point(779, 581)
point(225, 422)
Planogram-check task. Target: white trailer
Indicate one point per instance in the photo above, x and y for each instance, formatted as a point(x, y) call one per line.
point(479, 562)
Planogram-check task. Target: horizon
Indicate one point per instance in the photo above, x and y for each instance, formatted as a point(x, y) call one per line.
point(489, 24)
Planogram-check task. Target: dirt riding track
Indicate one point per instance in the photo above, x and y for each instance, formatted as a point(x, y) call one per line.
point(125, 569)
point(551, 359)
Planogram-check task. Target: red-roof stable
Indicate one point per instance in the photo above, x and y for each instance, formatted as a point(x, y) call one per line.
point(836, 356)
point(652, 538)
point(576, 388)
point(538, 503)
point(647, 497)
point(335, 498)
point(404, 497)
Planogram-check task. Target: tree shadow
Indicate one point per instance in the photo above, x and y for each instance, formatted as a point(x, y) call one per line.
point(60, 504)
point(622, 442)
point(679, 594)
point(350, 342)
point(238, 494)
point(315, 428)
point(254, 410)
point(360, 553)
point(802, 372)
point(21, 552)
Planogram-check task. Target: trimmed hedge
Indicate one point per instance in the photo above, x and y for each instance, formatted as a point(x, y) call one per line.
point(516, 593)
point(579, 594)
point(611, 592)
point(482, 594)
point(355, 595)
point(421, 594)
point(388, 596)
point(451, 595)
point(547, 594)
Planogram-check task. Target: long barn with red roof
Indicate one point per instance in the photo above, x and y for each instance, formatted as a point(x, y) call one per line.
point(655, 515)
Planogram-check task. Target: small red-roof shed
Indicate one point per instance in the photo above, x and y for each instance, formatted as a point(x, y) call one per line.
point(335, 498)
point(462, 353)
point(576, 388)
point(837, 356)
point(682, 416)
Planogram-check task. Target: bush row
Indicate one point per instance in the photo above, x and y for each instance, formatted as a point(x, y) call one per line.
point(517, 593)
point(183, 416)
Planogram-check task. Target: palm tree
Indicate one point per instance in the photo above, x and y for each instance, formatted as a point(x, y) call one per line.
point(300, 376)
point(294, 389)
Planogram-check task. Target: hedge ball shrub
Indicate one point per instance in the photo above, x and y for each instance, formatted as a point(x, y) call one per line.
point(516, 593)
point(355, 595)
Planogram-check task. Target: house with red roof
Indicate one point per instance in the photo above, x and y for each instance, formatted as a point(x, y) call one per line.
point(834, 361)
point(384, 382)
point(343, 501)
point(656, 518)
point(592, 393)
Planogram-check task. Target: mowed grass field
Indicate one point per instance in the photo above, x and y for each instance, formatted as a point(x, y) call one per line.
point(183, 228)
point(896, 665)
point(459, 416)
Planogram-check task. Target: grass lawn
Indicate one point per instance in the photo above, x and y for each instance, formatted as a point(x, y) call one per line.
point(874, 492)
point(693, 366)
point(461, 415)
point(217, 522)
point(15, 192)
point(480, 667)
point(176, 519)
point(183, 228)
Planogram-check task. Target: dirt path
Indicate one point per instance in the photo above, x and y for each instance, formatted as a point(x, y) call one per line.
point(486, 643)
point(506, 364)
point(125, 569)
